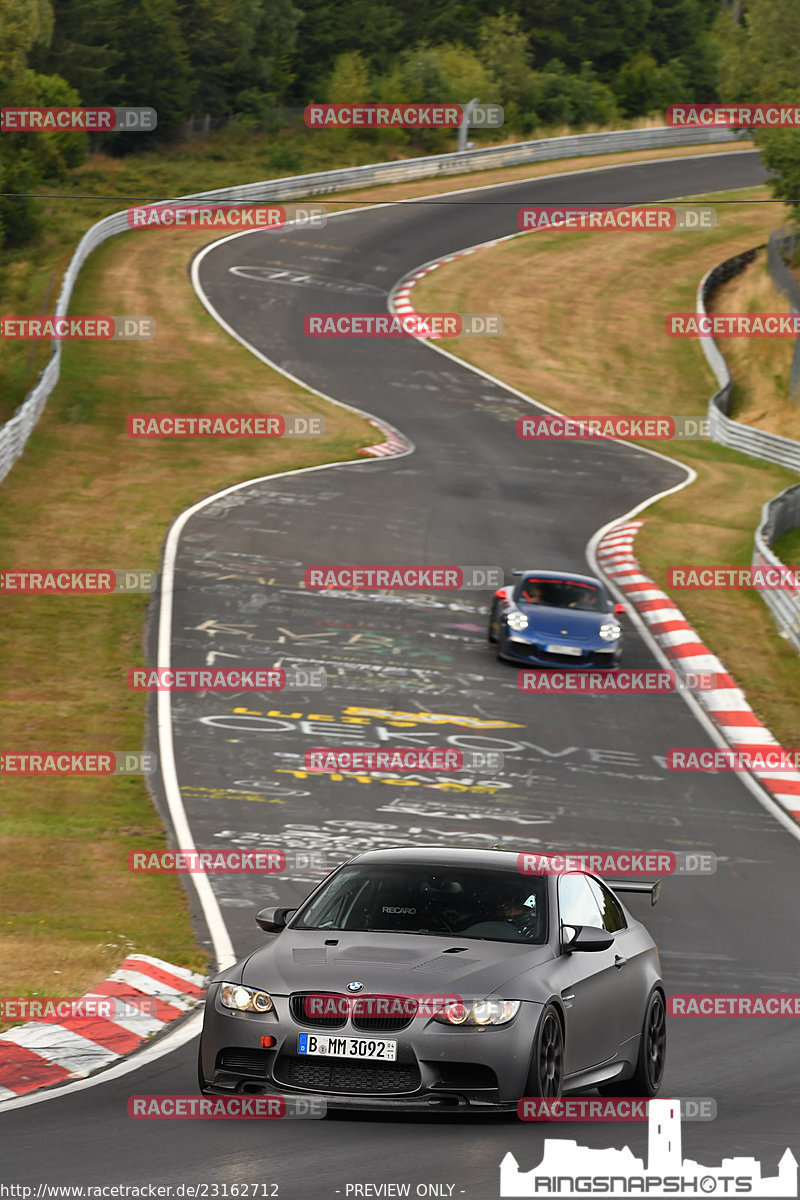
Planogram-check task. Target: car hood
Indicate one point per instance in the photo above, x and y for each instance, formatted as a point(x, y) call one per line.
point(388, 964)
point(555, 621)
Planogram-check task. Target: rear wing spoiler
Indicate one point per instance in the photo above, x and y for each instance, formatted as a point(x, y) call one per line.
point(633, 885)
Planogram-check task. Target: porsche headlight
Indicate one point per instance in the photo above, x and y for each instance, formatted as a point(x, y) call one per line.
point(245, 999)
point(482, 1012)
point(517, 620)
point(610, 631)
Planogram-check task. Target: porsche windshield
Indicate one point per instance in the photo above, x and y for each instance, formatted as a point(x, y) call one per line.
point(561, 593)
point(468, 902)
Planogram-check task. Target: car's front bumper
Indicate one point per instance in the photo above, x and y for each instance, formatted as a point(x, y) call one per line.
point(438, 1067)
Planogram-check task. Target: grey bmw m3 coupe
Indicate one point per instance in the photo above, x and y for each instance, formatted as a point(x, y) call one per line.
point(435, 978)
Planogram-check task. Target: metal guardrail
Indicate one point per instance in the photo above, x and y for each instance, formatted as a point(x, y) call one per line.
point(782, 513)
point(15, 433)
point(780, 242)
point(779, 516)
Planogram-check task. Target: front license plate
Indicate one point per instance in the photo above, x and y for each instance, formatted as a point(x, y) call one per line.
point(346, 1047)
point(554, 648)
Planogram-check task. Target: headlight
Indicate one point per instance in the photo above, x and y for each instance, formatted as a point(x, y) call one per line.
point(610, 631)
point(245, 999)
point(517, 620)
point(482, 1012)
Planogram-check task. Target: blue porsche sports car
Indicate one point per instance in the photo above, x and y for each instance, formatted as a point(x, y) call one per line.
point(555, 618)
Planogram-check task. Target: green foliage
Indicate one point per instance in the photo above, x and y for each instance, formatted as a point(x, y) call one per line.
point(643, 87)
point(760, 62)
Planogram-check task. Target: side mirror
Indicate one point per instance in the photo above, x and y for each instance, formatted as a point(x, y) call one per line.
point(273, 920)
point(619, 610)
point(500, 594)
point(585, 937)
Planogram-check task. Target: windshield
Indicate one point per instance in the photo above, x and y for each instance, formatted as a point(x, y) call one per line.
point(561, 593)
point(468, 902)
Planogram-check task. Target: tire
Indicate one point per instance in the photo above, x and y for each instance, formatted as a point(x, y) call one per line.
point(492, 618)
point(546, 1074)
point(651, 1059)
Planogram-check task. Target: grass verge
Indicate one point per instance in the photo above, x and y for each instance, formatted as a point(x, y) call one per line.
point(84, 494)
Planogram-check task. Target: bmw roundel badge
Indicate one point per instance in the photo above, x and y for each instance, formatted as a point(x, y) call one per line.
point(355, 986)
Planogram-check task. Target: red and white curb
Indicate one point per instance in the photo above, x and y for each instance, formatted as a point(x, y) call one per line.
point(726, 706)
point(149, 994)
point(393, 443)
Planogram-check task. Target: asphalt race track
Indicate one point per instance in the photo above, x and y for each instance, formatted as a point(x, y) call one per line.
point(579, 772)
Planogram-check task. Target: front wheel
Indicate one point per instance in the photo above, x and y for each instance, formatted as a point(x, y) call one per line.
point(546, 1076)
point(491, 636)
point(650, 1062)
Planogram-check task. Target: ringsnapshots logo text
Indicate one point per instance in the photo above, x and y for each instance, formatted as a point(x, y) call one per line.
point(401, 578)
point(589, 217)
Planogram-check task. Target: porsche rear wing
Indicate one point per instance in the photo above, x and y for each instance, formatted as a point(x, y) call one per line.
point(635, 885)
